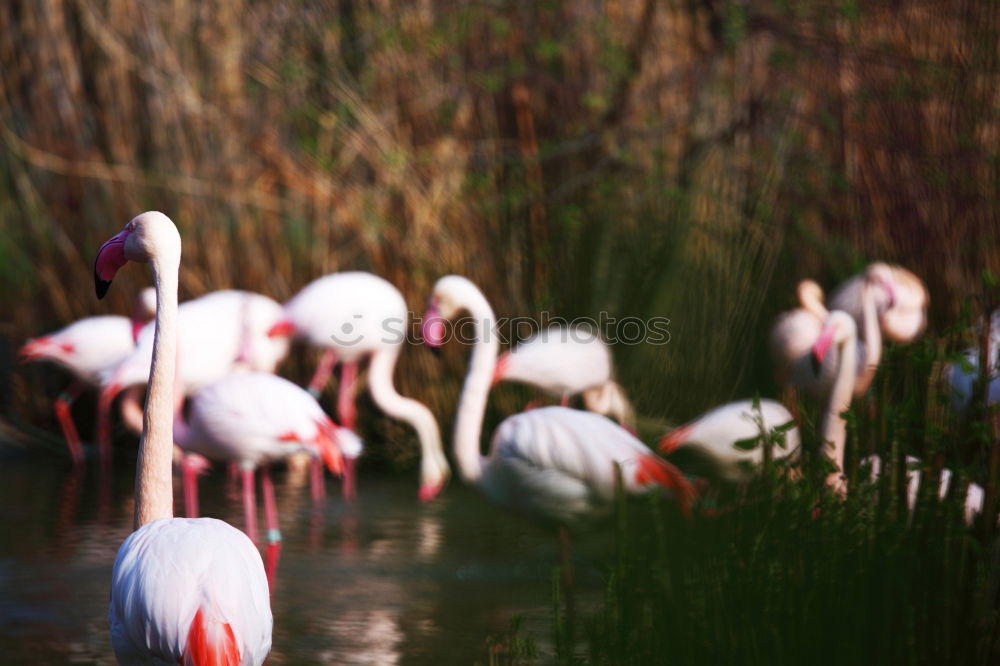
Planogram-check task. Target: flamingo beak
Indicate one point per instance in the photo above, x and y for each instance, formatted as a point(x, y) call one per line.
point(674, 438)
point(429, 491)
point(890, 290)
point(432, 329)
point(137, 325)
point(283, 328)
point(820, 348)
point(501, 368)
point(32, 349)
point(329, 449)
point(110, 258)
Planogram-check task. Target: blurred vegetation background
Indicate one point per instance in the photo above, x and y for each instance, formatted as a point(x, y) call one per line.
point(690, 159)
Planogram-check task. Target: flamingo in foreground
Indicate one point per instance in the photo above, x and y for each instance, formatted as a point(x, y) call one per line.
point(350, 316)
point(554, 462)
point(566, 360)
point(714, 436)
point(183, 590)
point(88, 348)
point(254, 419)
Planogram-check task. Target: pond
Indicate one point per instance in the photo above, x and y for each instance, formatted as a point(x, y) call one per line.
point(382, 580)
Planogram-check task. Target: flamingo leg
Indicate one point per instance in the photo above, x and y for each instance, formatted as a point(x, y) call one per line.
point(249, 503)
point(567, 579)
point(189, 477)
point(270, 506)
point(65, 416)
point(316, 481)
point(323, 372)
point(564, 401)
point(350, 488)
point(271, 556)
point(104, 430)
point(346, 411)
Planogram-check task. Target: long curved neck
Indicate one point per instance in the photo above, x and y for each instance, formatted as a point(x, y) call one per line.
point(383, 392)
point(872, 337)
point(810, 297)
point(153, 485)
point(834, 425)
point(475, 391)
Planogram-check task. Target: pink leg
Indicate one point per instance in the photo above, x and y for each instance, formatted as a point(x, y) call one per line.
point(316, 481)
point(350, 489)
point(249, 504)
point(104, 429)
point(189, 475)
point(345, 396)
point(323, 372)
point(65, 417)
point(564, 401)
point(271, 556)
point(270, 506)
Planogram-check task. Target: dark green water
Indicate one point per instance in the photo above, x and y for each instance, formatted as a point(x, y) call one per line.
point(383, 581)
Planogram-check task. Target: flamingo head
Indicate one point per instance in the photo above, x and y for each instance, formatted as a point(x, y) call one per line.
point(150, 238)
point(143, 310)
point(452, 294)
point(44, 347)
point(283, 328)
point(838, 326)
point(433, 329)
point(500, 370)
point(880, 275)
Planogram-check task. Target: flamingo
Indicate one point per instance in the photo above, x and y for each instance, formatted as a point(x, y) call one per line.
point(714, 436)
point(567, 360)
point(974, 494)
point(795, 331)
point(352, 315)
point(88, 348)
point(554, 462)
point(963, 375)
point(254, 419)
point(900, 300)
point(183, 590)
point(217, 333)
point(836, 348)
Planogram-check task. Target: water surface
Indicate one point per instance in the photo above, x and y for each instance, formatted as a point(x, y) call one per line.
point(385, 580)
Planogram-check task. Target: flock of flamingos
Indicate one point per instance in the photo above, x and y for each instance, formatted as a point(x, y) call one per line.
point(194, 590)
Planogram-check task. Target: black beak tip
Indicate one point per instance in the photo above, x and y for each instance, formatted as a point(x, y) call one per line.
point(101, 286)
point(435, 350)
point(815, 364)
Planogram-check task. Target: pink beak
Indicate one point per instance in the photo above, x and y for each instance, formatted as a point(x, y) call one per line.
point(822, 346)
point(432, 329)
point(675, 438)
point(110, 258)
point(283, 328)
point(137, 326)
point(501, 368)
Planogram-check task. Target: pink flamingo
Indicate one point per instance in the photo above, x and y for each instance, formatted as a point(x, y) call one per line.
point(795, 332)
point(254, 419)
point(183, 590)
point(714, 436)
point(87, 348)
point(900, 300)
point(554, 462)
point(974, 494)
point(217, 333)
point(836, 348)
point(567, 360)
point(354, 315)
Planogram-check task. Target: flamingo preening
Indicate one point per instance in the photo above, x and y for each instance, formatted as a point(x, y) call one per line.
point(900, 300)
point(567, 360)
point(88, 348)
point(351, 316)
point(554, 462)
point(714, 435)
point(183, 590)
point(254, 419)
point(795, 331)
point(217, 333)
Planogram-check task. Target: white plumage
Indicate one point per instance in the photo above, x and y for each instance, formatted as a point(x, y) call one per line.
point(716, 432)
point(566, 360)
point(168, 570)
